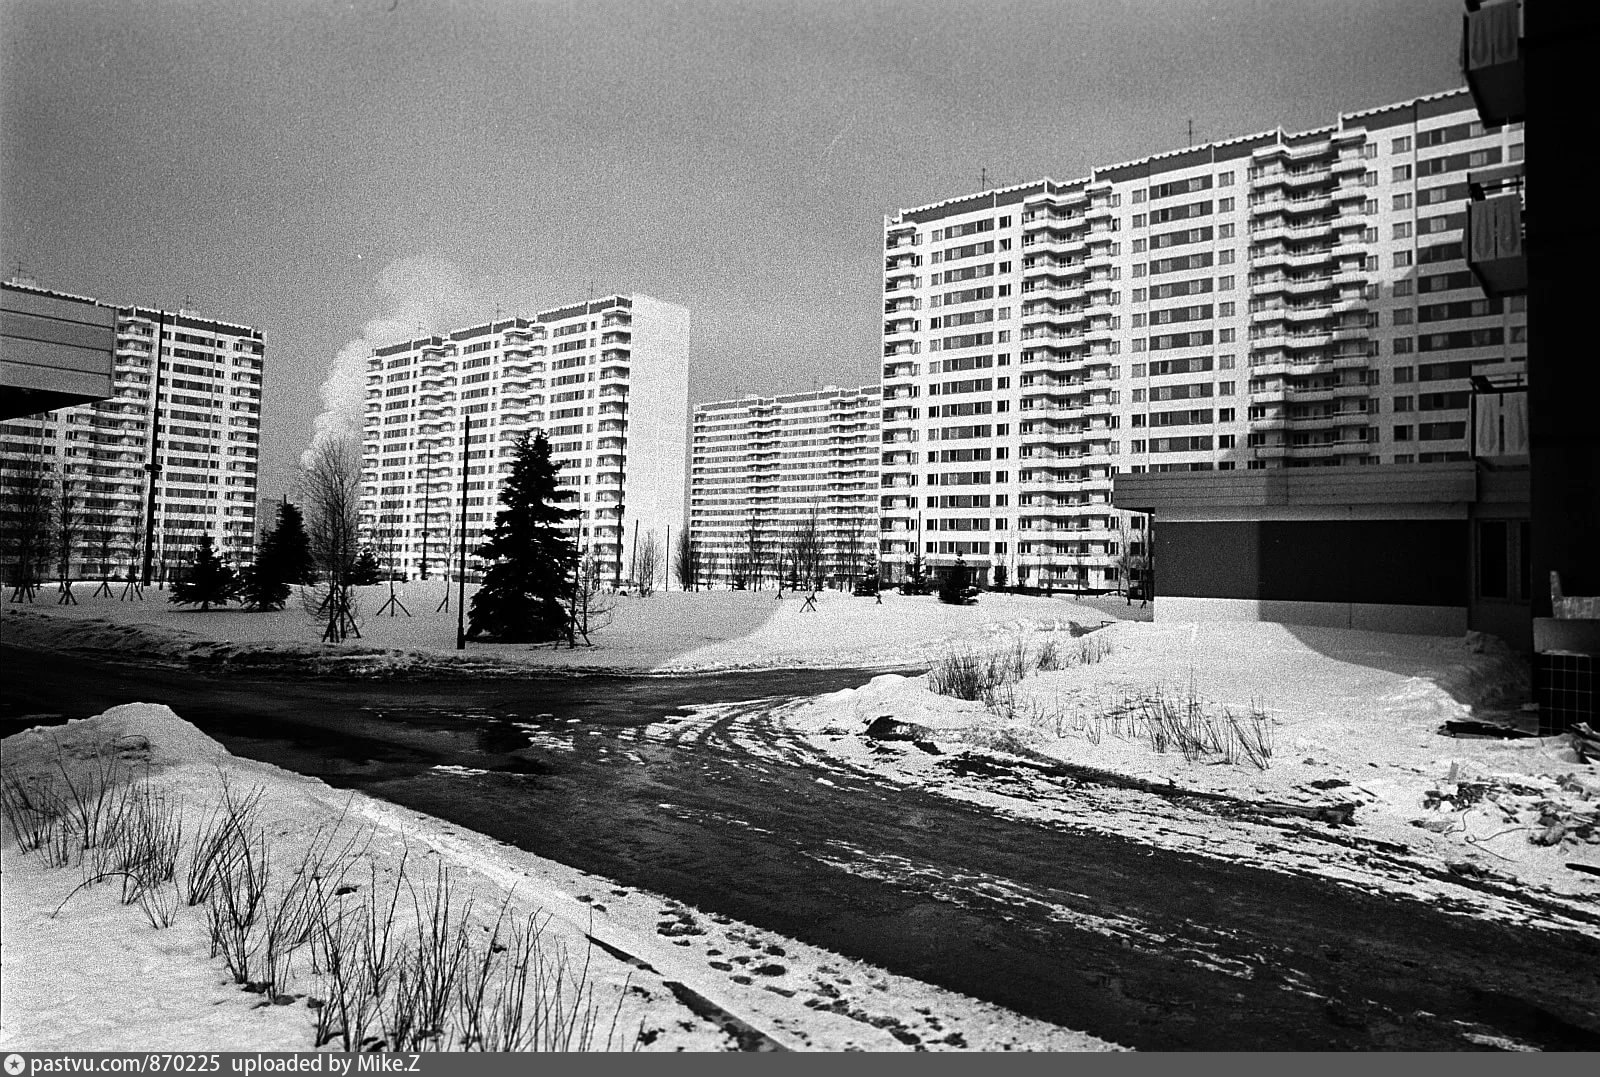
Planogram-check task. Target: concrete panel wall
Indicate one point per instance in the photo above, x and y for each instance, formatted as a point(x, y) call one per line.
point(1383, 562)
point(54, 351)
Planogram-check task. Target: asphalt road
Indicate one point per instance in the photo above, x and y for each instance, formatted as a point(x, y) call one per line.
point(1143, 946)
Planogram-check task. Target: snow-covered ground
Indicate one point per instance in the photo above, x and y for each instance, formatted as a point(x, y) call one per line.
point(1351, 719)
point(81, 971)
point(1484, 827)
point(667, 632)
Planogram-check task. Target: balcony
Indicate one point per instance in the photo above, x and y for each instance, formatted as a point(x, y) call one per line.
point(1491, 60)
point(1495, 244)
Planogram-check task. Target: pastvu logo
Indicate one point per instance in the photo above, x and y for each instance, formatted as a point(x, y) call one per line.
point(15, 1065)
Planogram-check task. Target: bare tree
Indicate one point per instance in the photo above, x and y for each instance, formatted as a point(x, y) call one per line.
point(332, 490)
point(384, 542)
point(591, 605)
point(686, 562)
point(67, 525)
point(1134, 563)
point(26, 511)
point(710, 563)
point(809, 550)
point(647, 564)
point(752, 558)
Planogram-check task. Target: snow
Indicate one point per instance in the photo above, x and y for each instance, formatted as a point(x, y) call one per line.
point(80, 971)
point(1352, 718)
point(1478, 827)
point(669, 632)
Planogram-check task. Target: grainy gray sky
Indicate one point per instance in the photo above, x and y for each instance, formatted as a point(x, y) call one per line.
point(338, 172)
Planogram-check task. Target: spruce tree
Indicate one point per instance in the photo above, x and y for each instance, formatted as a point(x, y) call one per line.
point(294, 546)
point(531, 560)
point(265, 584)
point(366, 570)
point(953, 588)
point(209, 579)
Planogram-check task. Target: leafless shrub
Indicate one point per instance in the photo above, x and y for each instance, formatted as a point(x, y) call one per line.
point(217, 844)
point(33, 811)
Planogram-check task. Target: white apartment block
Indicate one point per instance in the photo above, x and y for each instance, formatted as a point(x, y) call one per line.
point(185, 417)
point(764, 470)
point(1276, 300)
point(606, 380)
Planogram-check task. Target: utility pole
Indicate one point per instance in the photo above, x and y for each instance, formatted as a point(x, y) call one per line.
point(427, 512)
point(633, 563)
point(153, 465)
point(461, 573)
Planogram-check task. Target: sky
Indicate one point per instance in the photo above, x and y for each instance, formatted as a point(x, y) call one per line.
point(344, 174)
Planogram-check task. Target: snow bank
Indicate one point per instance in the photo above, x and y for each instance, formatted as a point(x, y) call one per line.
point(1351, 719)
point(80, 971)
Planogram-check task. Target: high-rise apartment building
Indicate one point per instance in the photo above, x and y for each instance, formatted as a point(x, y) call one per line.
point(172, 455)
point(786, 479)
point(1276, 300)
point(606, 380)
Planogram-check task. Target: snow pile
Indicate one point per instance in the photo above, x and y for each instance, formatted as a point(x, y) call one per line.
point(81, 970)
point(1347, 725)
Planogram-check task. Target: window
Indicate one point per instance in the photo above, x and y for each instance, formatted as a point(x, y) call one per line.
point(1224, 284)
point(1403, 346)
point(1403, 288)
point(1225, 441)
point(1402, 403)
point(1369, 149)
point(1402, 433)
point(1403, 374)
point(1138, 220)
point(1401, 145)
point(1370, 206)
point(1224, 205)
point(1138, 246)
point(1224, 310)
point(1403, 316)
point(1402, 259)
point(1402, 201)
point(1224, 362)
point(1225, 258)
point(1402, 230)
point(1401, 174)
point(1224, 179)
point(1225, 336)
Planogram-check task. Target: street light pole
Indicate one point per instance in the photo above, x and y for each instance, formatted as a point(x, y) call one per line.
point(461, 573)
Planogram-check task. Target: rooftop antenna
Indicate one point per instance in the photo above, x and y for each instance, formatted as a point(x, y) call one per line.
point(1191, 130)
point(983, 179)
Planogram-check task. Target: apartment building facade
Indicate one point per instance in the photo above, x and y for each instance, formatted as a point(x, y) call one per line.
point(1279, 300)
point(171, 455)
point(784, 482)
point(607, 382)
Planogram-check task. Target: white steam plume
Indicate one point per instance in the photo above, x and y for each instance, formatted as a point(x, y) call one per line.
point(418, 294)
